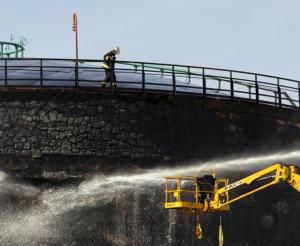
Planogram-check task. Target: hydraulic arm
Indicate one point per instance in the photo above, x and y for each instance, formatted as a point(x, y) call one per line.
point(208, 194)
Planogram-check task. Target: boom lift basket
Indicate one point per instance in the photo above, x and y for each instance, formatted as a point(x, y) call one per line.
point(193, 193)
point(208, 194)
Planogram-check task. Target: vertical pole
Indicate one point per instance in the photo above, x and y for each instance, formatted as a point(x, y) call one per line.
point(231, 87)
point(179, 188)
point(197, 189)
point(5, 72)
point(75, 29)
point(167, 189)
point(17, 54)
point(204, 82)
point(111, 80)
point(279, 92)
point(189, 74)
point(174, 80)
point(256, 90)
point(1, 50)
point(249, 88)
point(76, 74)
point(76, 37)
point(299, 93)
point(143, 78)
point(41, 73)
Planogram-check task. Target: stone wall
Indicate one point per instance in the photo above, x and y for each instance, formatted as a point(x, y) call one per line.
point(105, 132)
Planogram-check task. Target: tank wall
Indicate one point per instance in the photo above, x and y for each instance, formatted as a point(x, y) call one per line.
point(85, 133)
point(47, 139)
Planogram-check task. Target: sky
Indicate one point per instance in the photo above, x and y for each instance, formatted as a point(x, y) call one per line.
point(256, 35)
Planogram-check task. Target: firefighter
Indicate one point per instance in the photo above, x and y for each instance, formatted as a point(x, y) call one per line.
point(109, 65)
point(206, 185)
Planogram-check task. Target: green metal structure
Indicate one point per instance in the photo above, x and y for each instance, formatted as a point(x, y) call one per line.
point(9, 50)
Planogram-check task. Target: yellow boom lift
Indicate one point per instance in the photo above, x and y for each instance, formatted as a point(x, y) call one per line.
point(210, 194)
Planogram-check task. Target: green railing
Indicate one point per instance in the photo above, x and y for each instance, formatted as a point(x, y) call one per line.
point(8, 49)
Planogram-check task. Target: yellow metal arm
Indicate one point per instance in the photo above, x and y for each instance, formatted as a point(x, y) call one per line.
point(295, 178)
point(282, 173)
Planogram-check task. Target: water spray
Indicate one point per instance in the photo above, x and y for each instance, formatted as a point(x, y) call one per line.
point(35, 224)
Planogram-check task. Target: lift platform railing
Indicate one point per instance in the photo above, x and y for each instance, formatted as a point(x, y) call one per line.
point(144, 77)
point(178, 196)
point(184, 192)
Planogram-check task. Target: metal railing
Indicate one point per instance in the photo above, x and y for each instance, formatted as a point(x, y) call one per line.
point(143, 77)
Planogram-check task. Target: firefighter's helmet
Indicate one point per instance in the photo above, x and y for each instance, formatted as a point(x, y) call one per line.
point(116, 50)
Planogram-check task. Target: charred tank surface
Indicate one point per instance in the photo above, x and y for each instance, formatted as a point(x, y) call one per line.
point(69, 163)
point(61, 136)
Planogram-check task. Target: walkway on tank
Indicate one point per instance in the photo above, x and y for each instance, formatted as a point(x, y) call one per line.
point(69, 75)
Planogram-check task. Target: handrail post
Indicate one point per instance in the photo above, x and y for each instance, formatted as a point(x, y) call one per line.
point(111, 80)
point(299, 93)
point(174, 80)
point(249, 88)
point(179, 188)
point(189, 74)
point(279, 92)
point(204, 82)
point(197, 189)
point(167, 189)
point(41, 73)
point(76, 74)
point(231, 87)
point(5, 72)
point(143, 78)
point(256, 90)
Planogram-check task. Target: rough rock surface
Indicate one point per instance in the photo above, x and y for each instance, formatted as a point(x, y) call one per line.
point(93, 132)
